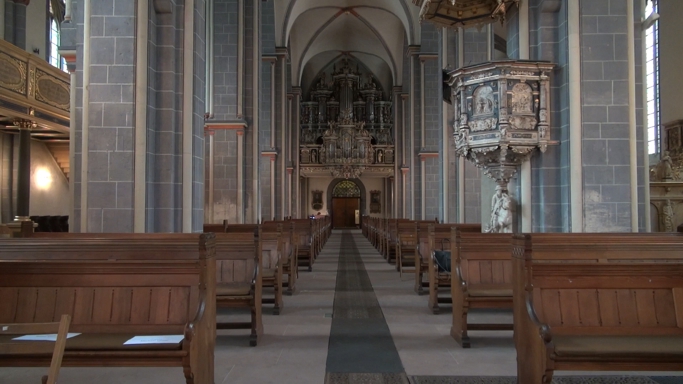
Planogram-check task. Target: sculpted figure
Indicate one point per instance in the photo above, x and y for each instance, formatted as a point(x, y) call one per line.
point(501, 212)
point(666, 166)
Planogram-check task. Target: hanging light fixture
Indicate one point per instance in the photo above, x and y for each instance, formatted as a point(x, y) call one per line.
point(464, 13)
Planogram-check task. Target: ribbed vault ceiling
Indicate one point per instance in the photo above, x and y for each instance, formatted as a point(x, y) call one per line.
point(319, 32)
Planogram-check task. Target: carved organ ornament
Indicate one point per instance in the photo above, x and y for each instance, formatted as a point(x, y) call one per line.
point(346, 129)
point(502, 113)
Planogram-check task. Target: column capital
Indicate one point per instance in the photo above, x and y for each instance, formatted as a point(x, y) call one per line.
point(69, 55)
point(404, 96)
point(413, 50)
point(24, 124)
point(269, 58)
point(226, 124)
point(428, 56)
point(282, 51)
point(272, 154)
point(424, 155)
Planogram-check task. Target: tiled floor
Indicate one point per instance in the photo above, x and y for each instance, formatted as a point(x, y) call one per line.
point(294, 346)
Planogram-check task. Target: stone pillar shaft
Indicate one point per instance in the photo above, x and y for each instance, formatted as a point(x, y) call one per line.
point(24, 170)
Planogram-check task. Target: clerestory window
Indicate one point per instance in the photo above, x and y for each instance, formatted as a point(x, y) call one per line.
point(56, 14)
point(652, 77)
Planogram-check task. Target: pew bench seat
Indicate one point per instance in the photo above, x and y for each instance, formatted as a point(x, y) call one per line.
point(597, 348)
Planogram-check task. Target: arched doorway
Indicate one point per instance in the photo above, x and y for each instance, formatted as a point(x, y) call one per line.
point(346, 205)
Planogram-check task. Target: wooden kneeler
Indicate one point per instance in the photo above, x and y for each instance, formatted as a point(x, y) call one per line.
point(32, 347)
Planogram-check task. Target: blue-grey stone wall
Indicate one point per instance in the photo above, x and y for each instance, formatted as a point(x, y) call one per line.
point(550, 170)
point(450, 156)
point(111, 117)
point(433, 119)
point(225, 59)
point(475, 52)
point(605, 111)
point(249, 108)
point(198, 111)
point(164, 120)
point(15, 23)
point(225, 170)
point(267, 87)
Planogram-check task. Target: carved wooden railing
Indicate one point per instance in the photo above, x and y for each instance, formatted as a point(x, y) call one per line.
point(32, 89)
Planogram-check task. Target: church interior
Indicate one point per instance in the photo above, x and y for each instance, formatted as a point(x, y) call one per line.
point(377, 191)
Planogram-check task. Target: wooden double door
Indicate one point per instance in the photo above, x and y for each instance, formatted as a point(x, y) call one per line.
point(344, 211)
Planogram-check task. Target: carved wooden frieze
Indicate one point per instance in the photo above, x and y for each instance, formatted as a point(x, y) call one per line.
point(13, 74)
point(51, 90)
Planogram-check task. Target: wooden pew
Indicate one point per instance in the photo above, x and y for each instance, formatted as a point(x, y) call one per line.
point(406, 246)
point(240, 279)
point(289, 262)
point(481, 277)
point(424, 252)
point(303, 232)
point(271, 258)
point(272, 253)
point(392, 239)
point(114, 289)
point(603, 302)
point(215, 228)
point(18, 348)
point(441, 236)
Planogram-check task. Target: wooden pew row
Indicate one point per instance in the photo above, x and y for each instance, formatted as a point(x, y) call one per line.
point(440, 237)
point(290, 265)
point(425, 250)
point(304, 233)
point(408, 242)
point(481, 278)
point(600, 302)
point(115, 289)
point(238, 280)
point(391, 239)
point(271, 262)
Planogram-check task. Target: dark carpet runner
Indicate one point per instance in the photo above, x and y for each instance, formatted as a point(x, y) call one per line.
point(361, 348)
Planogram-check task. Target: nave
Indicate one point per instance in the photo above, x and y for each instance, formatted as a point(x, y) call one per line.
point(297, 348)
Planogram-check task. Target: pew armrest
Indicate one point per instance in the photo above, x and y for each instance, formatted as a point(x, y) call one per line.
point(192, 326)
point(461, 280)
point(542, 328)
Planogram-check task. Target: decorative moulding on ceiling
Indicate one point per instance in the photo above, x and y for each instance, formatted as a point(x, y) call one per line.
point(464, 13)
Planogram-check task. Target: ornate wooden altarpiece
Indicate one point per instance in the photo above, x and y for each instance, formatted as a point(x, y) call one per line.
point(666, 180)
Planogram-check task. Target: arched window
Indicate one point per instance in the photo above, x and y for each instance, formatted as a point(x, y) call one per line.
point(346, 188)
point(56, 15)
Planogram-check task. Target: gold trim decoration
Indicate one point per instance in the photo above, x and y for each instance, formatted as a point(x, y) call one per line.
point(12, 74)
point(31, 82)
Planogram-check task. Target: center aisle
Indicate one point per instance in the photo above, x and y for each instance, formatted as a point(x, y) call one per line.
point(361, 348)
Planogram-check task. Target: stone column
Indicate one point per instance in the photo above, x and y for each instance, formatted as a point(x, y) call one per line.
point(15, 22)
point(413, 51)
point(24, 169)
